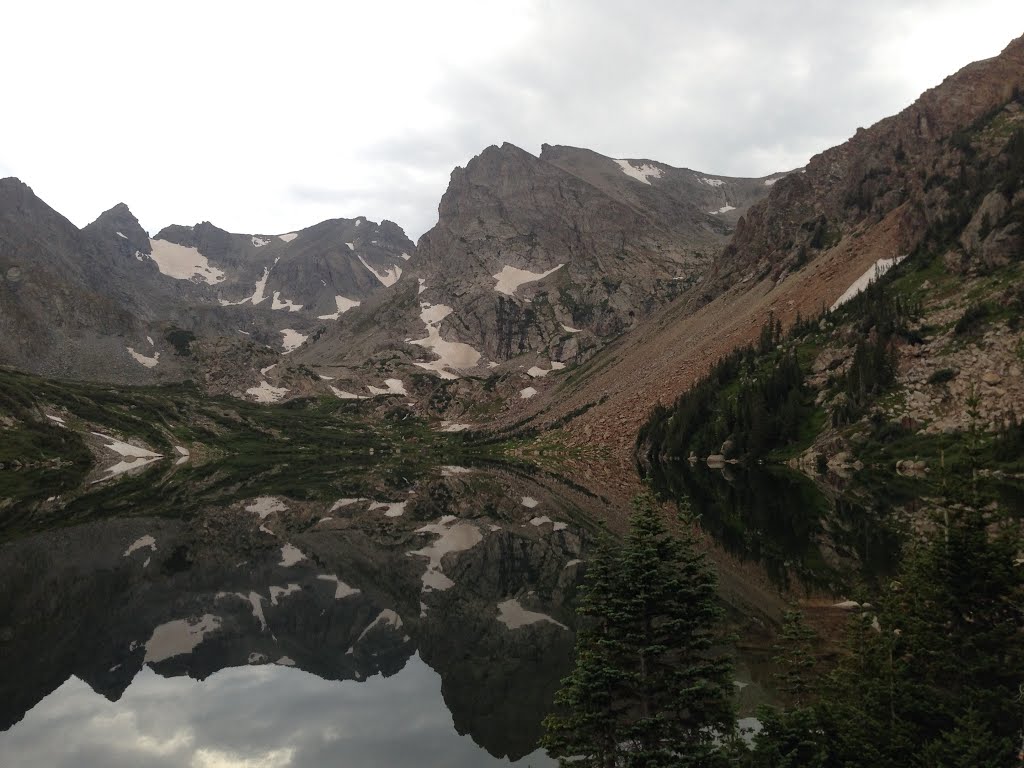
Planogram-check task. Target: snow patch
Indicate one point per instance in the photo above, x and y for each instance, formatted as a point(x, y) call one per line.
point(341, 589)
point(265, 505)
point(423, 285)
point(350, 246)
point(279, 303)
point(393, 509)
point(278, 592)
point(569, 329)
point(258, 294)
point(121, 234)
point(342, 394)
point(453, 536)
point(875, 271)
point(292, 340)
point(290, 555)
point(769, 182)
point(386, 618)
point(724, 209)
point(125, 466)
point(510, 278)
point(404, 255)
point(527, 393)
point(57, 419)
point(183, 454)
point(259, 242)
point(126, 449)
point(343, 304)
point(450, 354)
point(183, 263)
point(149, 362)
point(711, 182)
point(512, 614)
point(388, 277)
point(288, 237)
point(529, 502)
point(643, 172)
point(268, 369)
point(141, 543)
point(451, 426)
point(179, 637)
point(537, 372)
point(266, 393)
point(393, 387)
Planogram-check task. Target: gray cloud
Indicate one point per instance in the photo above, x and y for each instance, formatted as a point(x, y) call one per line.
point(265, 717)
point(736, 87)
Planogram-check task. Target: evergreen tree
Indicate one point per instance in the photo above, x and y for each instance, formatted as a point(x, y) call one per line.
point(647, 690)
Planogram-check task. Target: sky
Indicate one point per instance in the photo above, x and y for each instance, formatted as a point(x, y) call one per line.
point(266, 117)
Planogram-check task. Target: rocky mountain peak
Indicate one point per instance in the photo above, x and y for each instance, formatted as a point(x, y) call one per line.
point(119, 223)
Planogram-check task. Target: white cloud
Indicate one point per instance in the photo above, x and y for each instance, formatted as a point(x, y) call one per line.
point(194, 111)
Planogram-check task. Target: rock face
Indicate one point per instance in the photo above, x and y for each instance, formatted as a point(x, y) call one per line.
point(108, 302)
point(551, 255)
point(896, 172)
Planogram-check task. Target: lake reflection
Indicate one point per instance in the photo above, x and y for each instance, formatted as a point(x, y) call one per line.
point(267, 716)
point(426, 625)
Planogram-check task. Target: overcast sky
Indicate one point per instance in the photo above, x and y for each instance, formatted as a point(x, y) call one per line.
point(267, 117)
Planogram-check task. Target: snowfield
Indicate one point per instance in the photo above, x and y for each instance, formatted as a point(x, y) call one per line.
point(450, 354)
point(874, 272)
point(292, 340)
point(388, 277)
point(149, 362)
point(279, 303)
point(183, 263)
point(642, 173)
point(265, 393)
point(510, 278)
point(344, 305)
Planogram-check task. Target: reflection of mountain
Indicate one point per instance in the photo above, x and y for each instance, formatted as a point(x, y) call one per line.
point(344, 591)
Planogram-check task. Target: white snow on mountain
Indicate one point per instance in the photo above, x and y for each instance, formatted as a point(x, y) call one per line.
point(511, 278)
point(874, 272)
point(642, 172)
point(451, 354)
point(183, 263)
point(292, 340)
point(388, 277)
point(344, 305)
point(149, 362)
point(280, 303)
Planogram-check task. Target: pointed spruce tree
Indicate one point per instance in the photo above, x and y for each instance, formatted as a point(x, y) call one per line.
point(648, 688)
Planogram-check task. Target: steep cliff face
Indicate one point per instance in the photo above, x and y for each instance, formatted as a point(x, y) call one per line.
point(543, 259)
point(893, 172)
point(110, 303)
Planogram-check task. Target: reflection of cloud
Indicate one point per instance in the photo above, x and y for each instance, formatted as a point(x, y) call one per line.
point(215, 758)
point(248, 717)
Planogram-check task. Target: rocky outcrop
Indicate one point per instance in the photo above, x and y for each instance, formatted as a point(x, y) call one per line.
point(897, 167)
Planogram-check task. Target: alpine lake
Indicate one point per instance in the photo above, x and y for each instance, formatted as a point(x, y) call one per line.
point(334, 595)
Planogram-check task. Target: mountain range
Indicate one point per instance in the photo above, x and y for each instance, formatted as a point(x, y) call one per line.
point(567, 289)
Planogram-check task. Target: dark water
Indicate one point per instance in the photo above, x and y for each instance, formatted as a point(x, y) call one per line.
point(337, 615)
point(427, 625)
point(781, 520)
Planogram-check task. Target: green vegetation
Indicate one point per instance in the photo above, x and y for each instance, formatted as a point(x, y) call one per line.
point(929, 674)
point(647, 688)
point(312, 448)
point(932, 674)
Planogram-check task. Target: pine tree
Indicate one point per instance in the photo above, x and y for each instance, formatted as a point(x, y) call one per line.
point(647, 689)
